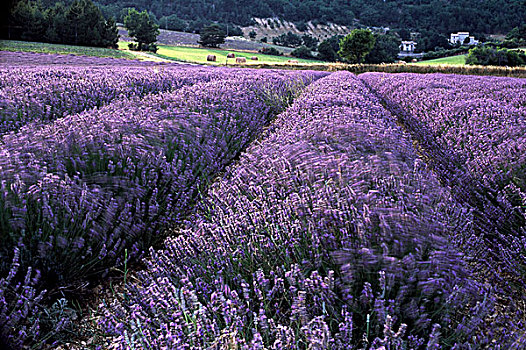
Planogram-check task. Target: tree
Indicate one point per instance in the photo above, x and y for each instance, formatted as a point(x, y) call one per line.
point(309, 41)
point(431, 40)
point(355, 46)
point(404, 34)
point(302, 52)
point(212, 36)
point(385, 50)
point(27, 21)
point(84, 24)
point(518, 33)
point(270, 51)
point(494, 56)
point(57, 23)
point(326, 52)
point(327, 49)
point(173, 22)
point(110, 34)
point(142, 28)
point(252, 34)
point(80, 23)
point(289, 39)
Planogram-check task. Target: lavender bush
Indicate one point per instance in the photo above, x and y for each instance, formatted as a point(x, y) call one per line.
point(14, 316)
point(79, 191)
point(329, 233)
point(116, 177)
point(473, 132)
point(42, 94)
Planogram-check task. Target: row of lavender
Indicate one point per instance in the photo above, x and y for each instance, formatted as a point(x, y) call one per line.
point(473, 130)
point(82, 193)
point(329, 233)
point(41, 94)
point(17, 58)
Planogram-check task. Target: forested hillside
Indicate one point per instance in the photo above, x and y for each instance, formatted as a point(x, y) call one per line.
point(439, 16)
point(444, 16)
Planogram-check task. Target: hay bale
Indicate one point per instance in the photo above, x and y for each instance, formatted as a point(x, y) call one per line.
point(211, 58)
point(231, 55)
point(241, 60)
point(293, 61)
point(414, 60)
point(254, 58)
point(401, 62)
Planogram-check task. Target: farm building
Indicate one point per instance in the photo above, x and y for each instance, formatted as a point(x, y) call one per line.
point(407, 49)
point(408, 46)
point(460, 38)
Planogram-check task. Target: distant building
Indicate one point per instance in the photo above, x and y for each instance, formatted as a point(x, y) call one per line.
point(460, 38)
point(379, 30)
point(415, 35)
point(408, 46)
point(407, 49)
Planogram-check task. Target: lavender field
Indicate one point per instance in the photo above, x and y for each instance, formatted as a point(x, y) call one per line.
point(259, 209)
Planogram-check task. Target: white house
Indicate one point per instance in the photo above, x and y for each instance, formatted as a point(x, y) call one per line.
point(460, 38)
point(407, 46)
point(407, 49)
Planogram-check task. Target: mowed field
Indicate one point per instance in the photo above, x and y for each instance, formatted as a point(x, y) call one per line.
point(150, 205)
point(452, 60)
point(199, 55)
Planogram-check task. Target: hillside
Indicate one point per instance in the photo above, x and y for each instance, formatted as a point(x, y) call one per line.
point(269, 28)
point(443, 16)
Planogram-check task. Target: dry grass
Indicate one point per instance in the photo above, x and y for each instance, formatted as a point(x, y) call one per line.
point(517, 72)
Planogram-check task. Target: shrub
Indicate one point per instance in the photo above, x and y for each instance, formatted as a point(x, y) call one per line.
point(488, 56)
point(302, 52)
point(270, 51)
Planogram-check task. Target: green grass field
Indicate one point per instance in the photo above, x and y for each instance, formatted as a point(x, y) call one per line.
point(458, 60)
point(198, 55)
point(27, 46)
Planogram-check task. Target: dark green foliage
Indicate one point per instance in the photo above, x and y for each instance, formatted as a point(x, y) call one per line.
point(142, 28)
point(289, 39)
point(197, 25)
point(516, 37)
point(80, 23)
point(302, 52)
point(252, 34)
point(212, 36)
point(385, 50)
point(326, 52)
point(309, 41)
point(264, 39)
point(328, 49)
point(25, 21)
point(431, 40)
point(484, 16)
point(110, 34)
point(301, 26)
point(233, 30)
point(270, 51)
point(512, 44)
point(355, 46)
point(490, 56)
point(173, 22)
point(57, 24)
point(518, 33)
point(404, 34)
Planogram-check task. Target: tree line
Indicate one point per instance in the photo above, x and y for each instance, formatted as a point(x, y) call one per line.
point(79, 23)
